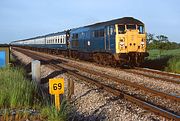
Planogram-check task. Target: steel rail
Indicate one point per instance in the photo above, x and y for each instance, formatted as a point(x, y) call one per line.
point(159, 72)
point(154, 77)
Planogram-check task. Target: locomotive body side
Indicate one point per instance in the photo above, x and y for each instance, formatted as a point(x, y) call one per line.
point(121, 41)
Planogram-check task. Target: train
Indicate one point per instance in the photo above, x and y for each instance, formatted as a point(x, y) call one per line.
point(116, 42)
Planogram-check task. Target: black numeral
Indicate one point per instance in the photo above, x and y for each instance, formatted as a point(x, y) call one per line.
point(57, 86)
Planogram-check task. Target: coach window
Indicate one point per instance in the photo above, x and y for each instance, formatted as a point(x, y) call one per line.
point(101, 33)
point(93, 33)
point(77, 36)
point(61, 40)
point(64, 39)
point(121, 29)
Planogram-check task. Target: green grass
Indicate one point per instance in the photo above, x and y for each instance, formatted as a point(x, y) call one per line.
point(167, 60)
point(16, 92)
point(154, 54)
point(51, 114)
point(173, 65)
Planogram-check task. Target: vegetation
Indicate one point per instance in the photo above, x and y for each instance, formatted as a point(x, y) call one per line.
point(174, 65)
point(164, 55)
point(15, 91)
point(51, 114)
point(156, 53)
point(160, 42)
point(18, 93)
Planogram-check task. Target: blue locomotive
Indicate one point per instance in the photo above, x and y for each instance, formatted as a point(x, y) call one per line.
point(120, 41)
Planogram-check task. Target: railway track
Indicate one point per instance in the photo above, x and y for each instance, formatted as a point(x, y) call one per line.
point(140, 102)
point(142, 72)
point(159, 72)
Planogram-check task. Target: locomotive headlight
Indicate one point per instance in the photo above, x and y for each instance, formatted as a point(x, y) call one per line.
point(142, 43)
point(121, 42)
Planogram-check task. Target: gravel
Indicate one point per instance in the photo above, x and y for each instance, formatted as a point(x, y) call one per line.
point(92, 103)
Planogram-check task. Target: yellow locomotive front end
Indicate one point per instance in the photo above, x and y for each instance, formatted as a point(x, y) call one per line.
point(131, 43)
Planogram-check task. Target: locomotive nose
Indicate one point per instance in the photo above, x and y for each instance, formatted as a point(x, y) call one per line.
point(132, 41)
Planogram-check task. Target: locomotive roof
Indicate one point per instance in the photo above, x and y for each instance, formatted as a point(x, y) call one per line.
point(124, 20)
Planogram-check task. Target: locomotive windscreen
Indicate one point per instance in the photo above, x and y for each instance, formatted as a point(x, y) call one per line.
point(131, 27)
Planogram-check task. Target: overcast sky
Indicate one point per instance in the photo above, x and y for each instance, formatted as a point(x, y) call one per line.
point(20, 19)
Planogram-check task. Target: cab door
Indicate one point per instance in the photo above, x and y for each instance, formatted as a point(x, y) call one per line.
point(107, 38)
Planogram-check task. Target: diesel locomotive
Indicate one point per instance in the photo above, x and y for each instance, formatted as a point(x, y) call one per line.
point(116, 42)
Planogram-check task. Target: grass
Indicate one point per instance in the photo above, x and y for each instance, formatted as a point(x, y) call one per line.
point(15, 91)
point(166, 60)
point(173, 65)
point(51, 114)
point(154, 54)
point(19, 93)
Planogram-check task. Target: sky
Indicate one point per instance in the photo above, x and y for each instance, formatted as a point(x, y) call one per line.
point(22, 19)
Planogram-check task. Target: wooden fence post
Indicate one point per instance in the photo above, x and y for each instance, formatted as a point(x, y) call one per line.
point(70, 89)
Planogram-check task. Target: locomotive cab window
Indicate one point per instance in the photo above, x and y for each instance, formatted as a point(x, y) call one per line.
point(121, 29)
point(131, 27)
point(141, 29)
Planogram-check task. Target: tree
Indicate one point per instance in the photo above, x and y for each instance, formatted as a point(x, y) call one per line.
point(160, 42)
point(162, 38)
point(150, 38)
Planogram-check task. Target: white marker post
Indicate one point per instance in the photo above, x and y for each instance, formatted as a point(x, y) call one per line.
point(36, 70)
